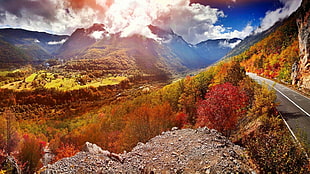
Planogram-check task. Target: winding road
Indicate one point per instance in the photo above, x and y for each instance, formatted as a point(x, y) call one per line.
point(294, 107)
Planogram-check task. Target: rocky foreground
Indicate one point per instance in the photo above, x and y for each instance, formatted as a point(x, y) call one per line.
point(178, 151)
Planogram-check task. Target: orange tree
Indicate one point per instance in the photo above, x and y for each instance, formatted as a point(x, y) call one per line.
point(222, 106)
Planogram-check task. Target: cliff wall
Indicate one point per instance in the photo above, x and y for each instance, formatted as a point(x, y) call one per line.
point(301, 70)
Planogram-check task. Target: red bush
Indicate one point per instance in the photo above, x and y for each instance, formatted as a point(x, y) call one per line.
point(221, 108)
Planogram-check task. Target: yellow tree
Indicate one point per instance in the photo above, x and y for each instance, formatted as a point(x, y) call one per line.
point(9, 132)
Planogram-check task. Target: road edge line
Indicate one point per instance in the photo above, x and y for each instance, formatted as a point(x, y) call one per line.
point(292, 102)
point(294, 136)
point(273, 86)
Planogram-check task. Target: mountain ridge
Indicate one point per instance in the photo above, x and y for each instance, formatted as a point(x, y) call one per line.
point(19, 47)
point(170, 54)
point(21, 37)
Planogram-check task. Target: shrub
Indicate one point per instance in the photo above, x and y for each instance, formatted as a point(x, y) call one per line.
point(273, 149)
point(30, 153)
point(221, 108)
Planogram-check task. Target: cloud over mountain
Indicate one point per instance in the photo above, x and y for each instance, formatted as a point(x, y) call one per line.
point(193, 21)
point(289, 6)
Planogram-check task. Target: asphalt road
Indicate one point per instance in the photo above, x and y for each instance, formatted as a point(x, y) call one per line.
point(294, 107)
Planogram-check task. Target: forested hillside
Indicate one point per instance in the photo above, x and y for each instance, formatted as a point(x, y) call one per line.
point(10, 55)
point(20, 47)
point(237, 107)
point(275, 55)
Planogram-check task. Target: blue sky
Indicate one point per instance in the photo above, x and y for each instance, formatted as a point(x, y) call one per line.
point(239, 15)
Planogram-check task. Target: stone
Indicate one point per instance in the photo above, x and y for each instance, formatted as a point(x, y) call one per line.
point(301, 69)
point(162, 154)
point(94, 149)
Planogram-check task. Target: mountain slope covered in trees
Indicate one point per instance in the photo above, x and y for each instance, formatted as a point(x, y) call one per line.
point(275, 55)
point(281, 53)
point(19, 47)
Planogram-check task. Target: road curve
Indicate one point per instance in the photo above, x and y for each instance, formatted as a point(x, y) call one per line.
point(294, 107)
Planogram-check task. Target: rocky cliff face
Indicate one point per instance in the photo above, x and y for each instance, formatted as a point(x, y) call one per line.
point(177, 151)
point(301, 70)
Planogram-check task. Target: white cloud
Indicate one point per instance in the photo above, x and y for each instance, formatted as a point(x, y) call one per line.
point(97, 35)
point(271, 17)
point(194, 22)
point(191, 22)
point(36, 41)
point(133, 16)
point(57, 42)
point(64, 21)
point(220, 32)
point(127, 17)
point(229, 45)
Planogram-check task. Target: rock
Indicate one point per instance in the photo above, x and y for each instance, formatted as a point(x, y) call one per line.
point(47, 155)
point(11, 164)
point(177, 151)
point(301, 69)
point(116, 157)
point(94, 149)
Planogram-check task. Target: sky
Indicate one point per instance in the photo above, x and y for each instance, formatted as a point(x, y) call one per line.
point(194, 20)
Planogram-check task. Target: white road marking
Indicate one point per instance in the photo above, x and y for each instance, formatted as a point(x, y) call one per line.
point(264, 80)
point(293, 102)
point(287, 125)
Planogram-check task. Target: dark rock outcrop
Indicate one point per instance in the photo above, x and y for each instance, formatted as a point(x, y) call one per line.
point(177, 151)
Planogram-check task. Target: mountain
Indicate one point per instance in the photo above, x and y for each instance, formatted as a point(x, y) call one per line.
point(203, 53)
point(37, 44)
point(213, 50)
point(80, 40)
point(100, 50)
point(176, 45)
point(169, 54)
point(250, 40)
point(10, 54)
point(19, 46)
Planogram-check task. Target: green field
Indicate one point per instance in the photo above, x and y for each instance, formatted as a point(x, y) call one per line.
point(64, 81)
point(66, 84)
point(4, 73)
point(31, 78)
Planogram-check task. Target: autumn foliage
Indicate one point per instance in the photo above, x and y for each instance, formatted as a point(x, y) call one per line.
point(274, 56)
point(146, 122)
point(274, 150)
point(222, 107)
point(65, 150)
point(30, 153)
point(116, 118)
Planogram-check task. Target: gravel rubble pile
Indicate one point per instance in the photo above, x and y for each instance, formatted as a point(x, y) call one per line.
point(199, 150)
